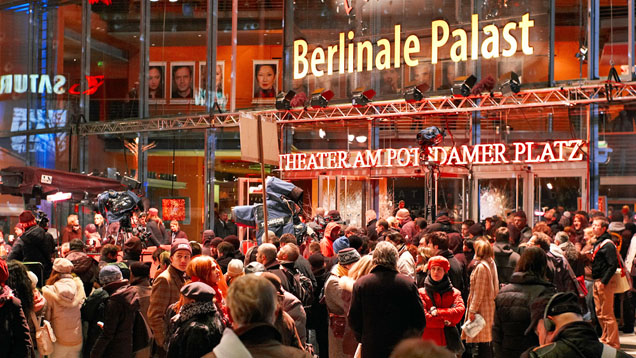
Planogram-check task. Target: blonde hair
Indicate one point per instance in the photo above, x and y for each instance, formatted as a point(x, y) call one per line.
point(71, 218)
point(252, 299)
point(361, 268)
point(483, 249)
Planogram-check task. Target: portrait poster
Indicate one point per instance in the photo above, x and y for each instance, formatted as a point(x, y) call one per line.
point(220, 83)
point(176, 208)
point(264, 81)
point(181, 82)
point(157, 82)
point(450, 71)
point(423, 73)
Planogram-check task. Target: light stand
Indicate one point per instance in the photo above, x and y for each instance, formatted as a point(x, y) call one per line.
point(426, 139)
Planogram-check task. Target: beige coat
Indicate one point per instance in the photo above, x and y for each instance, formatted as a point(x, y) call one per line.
point(484, 286)
point(65, 298)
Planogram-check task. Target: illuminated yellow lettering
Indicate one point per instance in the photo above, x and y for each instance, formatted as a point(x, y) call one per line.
point(331, 50)
point(350, 53)
point(458, 51)
point(366, 45)
point(511, 40)
point(317, 58)
point(397, 60)
point(474, 37)
point(438, 42)
point(300, 51)
point(341, 65)
point(411, 45)
point(383, 58)
point(492, 42)
point(525, 26)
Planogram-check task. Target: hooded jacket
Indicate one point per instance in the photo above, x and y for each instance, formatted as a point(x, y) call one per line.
point(512, 313)
point(15, 339)
point(326, 244)
point(576, 340)
point(197, 330)
point(116, 339)
point(65, 298)
point(86, 268)
point(506, 260)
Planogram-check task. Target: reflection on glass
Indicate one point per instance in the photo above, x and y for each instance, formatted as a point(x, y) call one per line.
point(499, 197)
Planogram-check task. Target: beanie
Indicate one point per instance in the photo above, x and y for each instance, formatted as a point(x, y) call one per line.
point(559, 303)
point(348, 256)
point(438, 261)
point(180, 244)
point(4, 272)
point(27, 219)
point(133, 245)
point(140, 269)
point(62, 265)
point(340, 243)
point(254, 267)
point(208, 235)
point(235, 268)
point(108, 274)
point(34, 279)
point(234, 240)
point(476, 229)
point(316, 260)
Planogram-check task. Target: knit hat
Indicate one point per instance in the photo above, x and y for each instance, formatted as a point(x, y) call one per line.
point(133, 245)
point(316, 260)
point(215, 242)
point(62, 265)
point(235, 268)
point(27, 219)
point(91, 228)
point(140, 269)
point(254, 267)
point(564, 302)
point(476, 229)
point(108, 274)
point(340, 244)
point(153, 211)
point(440, 261)
point(180, 244)
point(234, 240)
point(4, 272)
point(34, 279)
point(125, 271)
point(348, 256)
point(207, 236)
point(198, 291)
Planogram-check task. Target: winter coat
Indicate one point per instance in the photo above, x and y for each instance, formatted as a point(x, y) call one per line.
point(261, 340)
point(93, 311)
point(605, 260)
point(224, 229)
point(337, 308)
point(116, 338)
point(165, 291)
point(506, 260)
point(512, 313)
point(86, 268)
point(34, 245)
point(296, 311)
point(65, 298)
point(576, 339)
point(484, 286)
point(450, 307)
point(69, 234)
point(406, 263)
point(158, 232)
point(326, 244)
point(409, 231)
point(197, 329)
point(142, 285)
point(385, 308)
point(371, 231)
point(15, 339)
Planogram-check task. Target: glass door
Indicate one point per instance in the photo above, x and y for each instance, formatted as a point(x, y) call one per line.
point(499, 196)
point(346, 194)
point(556, 193)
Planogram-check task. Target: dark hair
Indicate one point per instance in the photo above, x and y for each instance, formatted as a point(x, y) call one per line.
point(542, 240)
point(603, 220)
point(469, 222)
point(439, 239)
point(196, 248)
point(157, 253)
point(177, 68)
point(76, 245)
point(533, 260)
point(258, 67)
point(355, 242)
point(383, 223)
point(20, 283)
point(225, 248)
point(288, 239)
point(520, 214)
point(395, 237)
point(502, 234)
point(109, 249)
point(421, 223)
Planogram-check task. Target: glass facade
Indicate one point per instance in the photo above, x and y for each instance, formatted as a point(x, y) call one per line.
point(71, 64)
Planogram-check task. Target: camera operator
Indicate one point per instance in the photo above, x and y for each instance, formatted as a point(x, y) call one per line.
point(34, 245)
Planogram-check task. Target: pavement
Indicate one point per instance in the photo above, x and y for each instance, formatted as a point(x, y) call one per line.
point(628, 343)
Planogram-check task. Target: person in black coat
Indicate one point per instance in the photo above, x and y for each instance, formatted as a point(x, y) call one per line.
point(197, 327)
point(116, 338)
point(34, 244)
point(385, 306)
point(512, 304)
point(15, 339)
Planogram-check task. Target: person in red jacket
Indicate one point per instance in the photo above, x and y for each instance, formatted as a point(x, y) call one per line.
point(443, 304)
point(332, 232)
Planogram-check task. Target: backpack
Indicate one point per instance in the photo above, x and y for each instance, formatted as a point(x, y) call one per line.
point(299, 286)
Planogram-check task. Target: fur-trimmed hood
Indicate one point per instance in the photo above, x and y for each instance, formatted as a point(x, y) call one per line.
point(66, 291)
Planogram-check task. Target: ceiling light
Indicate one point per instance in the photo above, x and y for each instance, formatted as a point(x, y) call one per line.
point(549, 185)
point(321, 133)
point(361, 138)
point(351, 137)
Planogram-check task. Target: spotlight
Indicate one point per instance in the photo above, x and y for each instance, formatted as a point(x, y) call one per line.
point(463, 86)
point(321, 133)
point(320, 98)
point(283, 100)
point(416, 93)
point(510, 84)
point(582, 54)
point(361, 98)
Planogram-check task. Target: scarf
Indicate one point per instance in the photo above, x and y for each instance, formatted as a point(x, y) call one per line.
point(192, 309)
point(440, 287)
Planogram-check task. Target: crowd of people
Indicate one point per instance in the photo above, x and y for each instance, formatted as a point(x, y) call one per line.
point(397, 287)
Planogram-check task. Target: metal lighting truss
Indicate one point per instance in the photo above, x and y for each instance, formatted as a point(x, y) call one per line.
point(532, 98)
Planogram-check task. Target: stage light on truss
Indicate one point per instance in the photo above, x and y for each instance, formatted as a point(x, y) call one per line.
point(416, 93)
point(463, 85)
point(283, 100)
point(320, 98)
point(510, 83)
point(361, 98)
